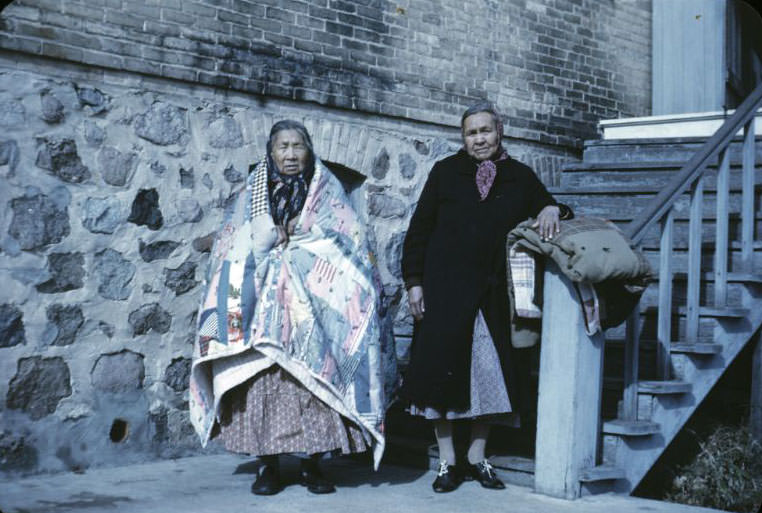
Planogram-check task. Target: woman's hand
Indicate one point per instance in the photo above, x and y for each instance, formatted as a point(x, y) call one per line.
point(547, 223)
point(415, 300)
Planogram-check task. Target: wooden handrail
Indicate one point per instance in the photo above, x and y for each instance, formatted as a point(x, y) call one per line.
point(663, 201)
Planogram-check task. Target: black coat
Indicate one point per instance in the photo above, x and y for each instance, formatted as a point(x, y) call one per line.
point(455, 248)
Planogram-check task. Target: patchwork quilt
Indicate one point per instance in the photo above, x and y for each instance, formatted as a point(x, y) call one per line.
point(312, 306)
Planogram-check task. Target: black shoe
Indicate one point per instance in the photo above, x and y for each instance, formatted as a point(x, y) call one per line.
point(485, 474)
point(448, 478)
point(267, 482)
point(311, 477)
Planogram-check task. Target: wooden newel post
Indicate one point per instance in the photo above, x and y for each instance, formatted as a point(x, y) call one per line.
point(569, 403)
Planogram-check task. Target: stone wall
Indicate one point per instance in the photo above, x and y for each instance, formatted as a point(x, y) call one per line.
point(553, 67)
point(110, 186)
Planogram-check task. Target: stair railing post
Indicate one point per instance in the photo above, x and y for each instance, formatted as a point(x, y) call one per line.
point(747, 197)
point(631, 365)
point(570, 385)
point(664, 319)
point(721, 231)
point(694, 261)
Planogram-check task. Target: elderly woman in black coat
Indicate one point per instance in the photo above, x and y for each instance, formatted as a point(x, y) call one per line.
point(454, 267)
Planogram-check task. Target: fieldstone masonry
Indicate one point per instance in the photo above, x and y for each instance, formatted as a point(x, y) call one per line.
point(108, 222)
point(127, 127)
point(11, 326)
point(66, 272)
point(38, 386)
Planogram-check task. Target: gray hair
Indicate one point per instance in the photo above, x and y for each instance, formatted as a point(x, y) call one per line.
point(483, 106)
point(290, 124)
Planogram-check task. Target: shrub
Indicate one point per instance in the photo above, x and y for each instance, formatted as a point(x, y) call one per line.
point(726, 473)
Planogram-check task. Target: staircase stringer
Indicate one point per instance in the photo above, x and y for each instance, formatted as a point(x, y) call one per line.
point(637, 455)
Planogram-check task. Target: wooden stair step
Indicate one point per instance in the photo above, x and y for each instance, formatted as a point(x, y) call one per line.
point(616, 166)
point(514, 463)
point(630, 427)
point(707, 311)
point(711, 311)
point(732, 277)
point(602, 473)
point(664, 387)
point(682, 347)
point(696, 348)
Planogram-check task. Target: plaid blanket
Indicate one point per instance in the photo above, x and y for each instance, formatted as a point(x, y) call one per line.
point(522, 268)
point(312, 307)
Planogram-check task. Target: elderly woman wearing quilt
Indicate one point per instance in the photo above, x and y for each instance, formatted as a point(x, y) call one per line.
point(454, 266)
point(291, 355)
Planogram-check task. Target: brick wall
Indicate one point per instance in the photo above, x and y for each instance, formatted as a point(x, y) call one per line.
point(554, 67)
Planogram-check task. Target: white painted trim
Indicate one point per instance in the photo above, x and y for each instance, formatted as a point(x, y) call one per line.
point(697, 124)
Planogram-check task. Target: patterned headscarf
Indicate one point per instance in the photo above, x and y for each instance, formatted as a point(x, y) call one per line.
point(486, 173)
point(287, 193)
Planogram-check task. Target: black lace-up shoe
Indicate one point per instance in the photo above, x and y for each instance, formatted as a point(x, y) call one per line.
point(311, 477)
point(267, 482)
point(485, 474)
point(448, 478)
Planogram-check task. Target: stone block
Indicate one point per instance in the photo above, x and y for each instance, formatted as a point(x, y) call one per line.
point(59, 156)
point(407, 166)
point(66, 271)
point(177, 374)
point(386, 206)
point(66, 320)
point(187, 180)
point(17, 454)
point(92, 98)
point(150, 317)
point(224, 132)
point(162, 124)
point(9, 156)
point(51, 108)
point(38, 386)
point(158, 250)
point(116, 168)
point(189, 210)
point(204, 244)
point(94, 135)
point(114, 274)
point(12, 113)
point(102, 215)
point(421, 147)
point(380, 165)
point(232, 175)
point(11, 326)
point(393, 254)
point(181, 279)
point(145, 210)
point(39, 220)
point(118, 373)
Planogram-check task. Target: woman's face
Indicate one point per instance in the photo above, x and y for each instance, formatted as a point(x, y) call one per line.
point(289, 152)
point(480, 136)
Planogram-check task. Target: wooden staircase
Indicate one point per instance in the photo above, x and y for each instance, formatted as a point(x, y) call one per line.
point(693, 207)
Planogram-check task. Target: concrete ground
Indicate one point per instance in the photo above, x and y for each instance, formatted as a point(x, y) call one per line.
point(220, 483)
